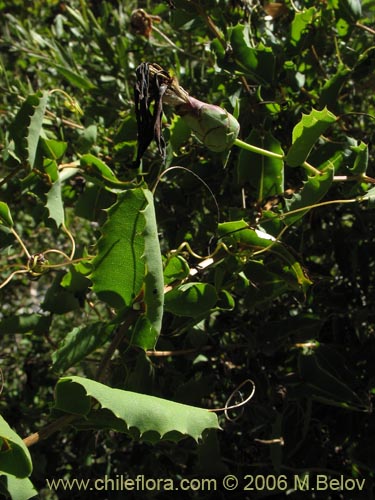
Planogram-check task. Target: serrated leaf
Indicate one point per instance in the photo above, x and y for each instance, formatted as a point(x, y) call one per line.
point(27, 125)
point(119, 268)
point(35, 127)
point(301, 22)
point(15, 458)
point(264, 175)
point(55, 203)
point(361, 159)
point(154, 280)
point(312, 192)
point(18, 488)
point(153, 417)
point(259, 61)
point(144, 334)
point(5, 215)
point(80, 342)
point(306, 133)
point(191, 299)
point(256, 62)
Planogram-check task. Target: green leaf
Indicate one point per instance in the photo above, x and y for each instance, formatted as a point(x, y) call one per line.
point(94, 166)
point(264, 175)
point(253, 239)
point(144, 334)
point(329, 95)
point(312, 192)
point(119, 267)
point(175, 269)
point(55, 203)
point(301, 22)
point(5, 215)
point(191, 299)
point(74, 78)
point(256, 62)
point(80, 342)
point(153, 417)
point(225, 301)
point(129, 258)
point(18, 488)
point(54, 149)
point(325, 386)
point(27, 125)
point(87, 138)
point(154, 280)
point(179, 133)
point(35, 127)
point(15, 458)
point(361, 159)
point(306, 133)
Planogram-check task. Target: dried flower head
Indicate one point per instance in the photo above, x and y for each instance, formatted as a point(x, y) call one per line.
point(213, 125)
point(141, 22)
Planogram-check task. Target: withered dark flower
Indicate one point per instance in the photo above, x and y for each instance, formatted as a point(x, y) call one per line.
point(213, 126)
point(147, 92)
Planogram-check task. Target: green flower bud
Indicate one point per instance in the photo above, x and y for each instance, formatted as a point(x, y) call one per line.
point(213, 126)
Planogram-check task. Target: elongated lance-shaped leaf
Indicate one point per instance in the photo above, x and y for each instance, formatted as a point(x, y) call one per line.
point(154, 279)
point(5, 215)
point(154, 418)
point(55, 203)
point(80, 342)
point(119, 267)
point(14, 456)
point(254, 239)
point(306, 133)
point(264, 175)
point(312, 192)
point(27, 125)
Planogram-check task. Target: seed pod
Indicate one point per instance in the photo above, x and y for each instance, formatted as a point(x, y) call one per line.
point(213, 126)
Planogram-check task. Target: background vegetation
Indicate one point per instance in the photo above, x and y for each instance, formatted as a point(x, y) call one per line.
point(297, 319)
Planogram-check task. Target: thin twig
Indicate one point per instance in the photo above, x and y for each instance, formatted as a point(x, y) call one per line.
point(364, 27)
point(49, 429)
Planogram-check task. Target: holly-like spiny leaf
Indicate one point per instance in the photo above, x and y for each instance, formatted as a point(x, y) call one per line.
point(153, 418)
point(27, 125)
point(306, 133)
point(312, 192)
